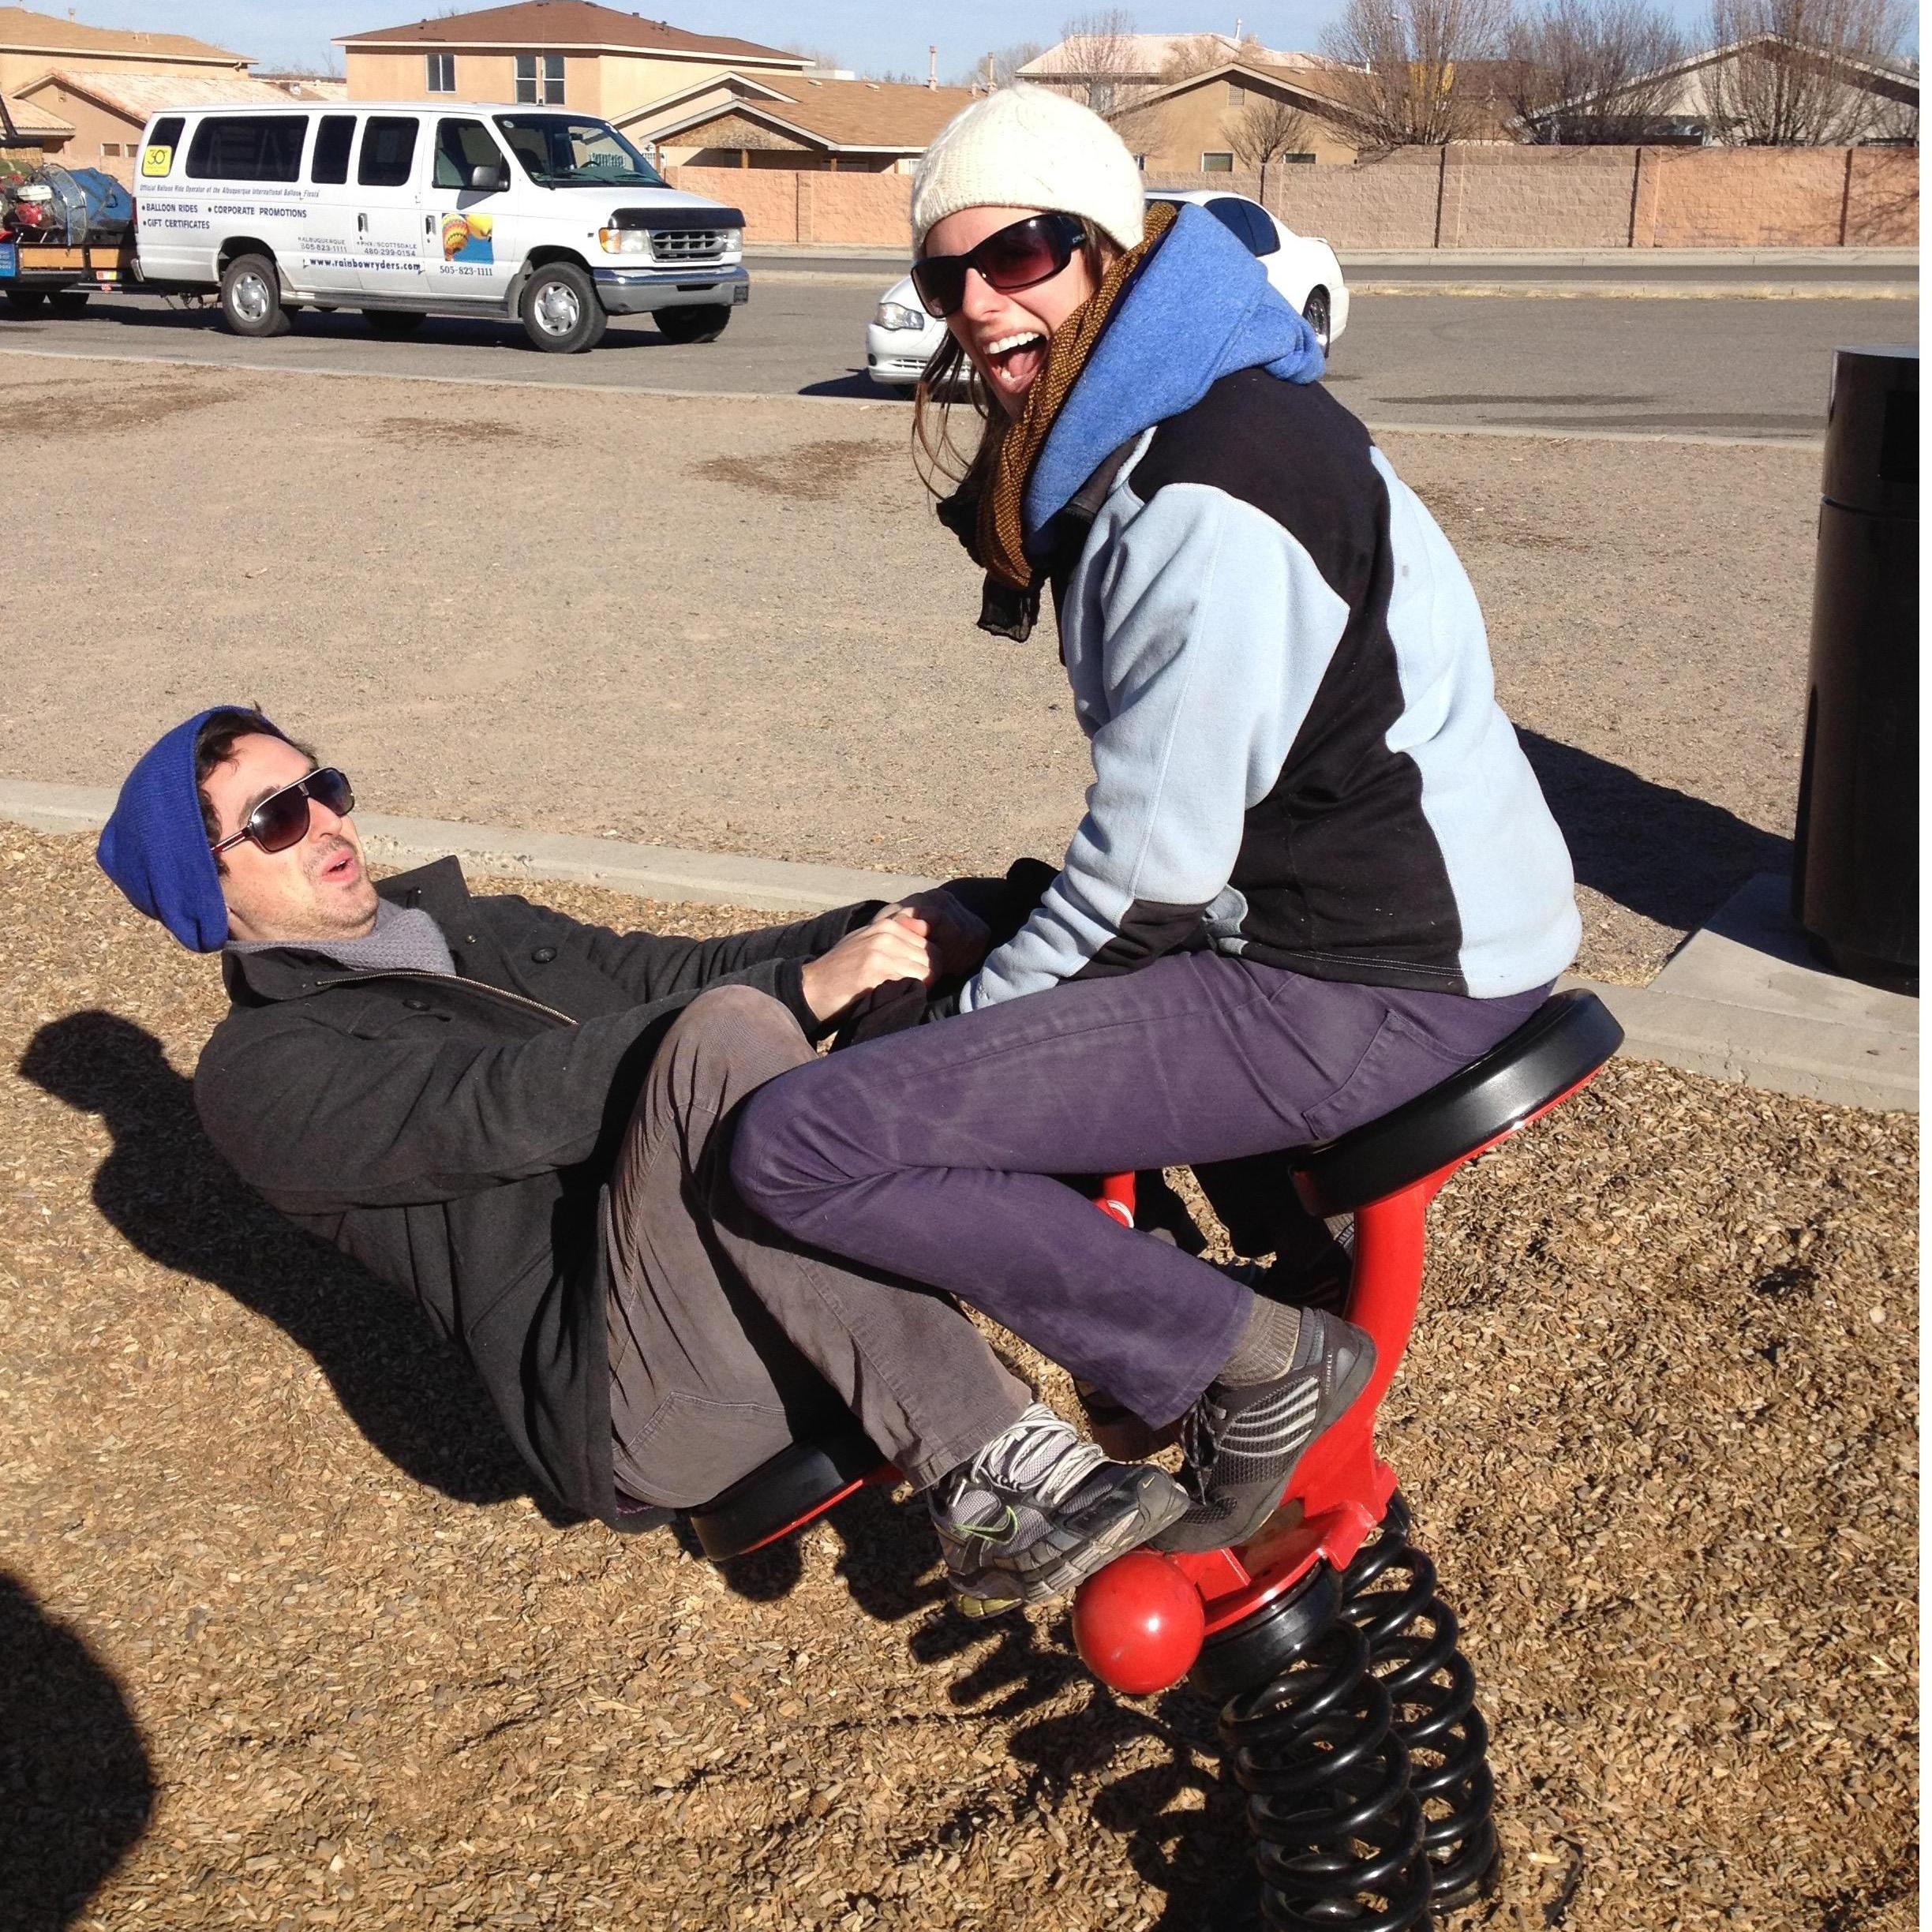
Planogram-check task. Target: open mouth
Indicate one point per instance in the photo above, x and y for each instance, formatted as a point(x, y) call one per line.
point(341, 870)
point(1012, 361)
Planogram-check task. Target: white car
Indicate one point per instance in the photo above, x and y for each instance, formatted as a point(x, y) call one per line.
point(902, 338)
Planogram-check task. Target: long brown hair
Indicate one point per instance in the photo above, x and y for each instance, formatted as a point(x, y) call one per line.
point(951, 378)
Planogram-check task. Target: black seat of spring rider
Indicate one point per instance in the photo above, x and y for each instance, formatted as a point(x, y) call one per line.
point(789, 1489)
point(1564, 1041)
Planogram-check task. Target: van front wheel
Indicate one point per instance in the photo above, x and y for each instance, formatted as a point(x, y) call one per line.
point(687, 325)
point(561, 313)
point(251, 298)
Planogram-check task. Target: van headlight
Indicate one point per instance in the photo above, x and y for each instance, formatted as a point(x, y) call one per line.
point(625, 241)
point(896, 315)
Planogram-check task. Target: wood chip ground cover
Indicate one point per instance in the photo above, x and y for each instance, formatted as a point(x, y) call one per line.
point(290, 1644)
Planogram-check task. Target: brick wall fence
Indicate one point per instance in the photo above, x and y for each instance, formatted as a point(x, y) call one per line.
point(1463, 197)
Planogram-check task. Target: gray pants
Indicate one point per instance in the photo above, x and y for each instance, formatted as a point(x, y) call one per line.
point(728, 1341)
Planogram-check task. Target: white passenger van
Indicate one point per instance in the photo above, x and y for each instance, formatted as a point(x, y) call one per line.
point(536, 214)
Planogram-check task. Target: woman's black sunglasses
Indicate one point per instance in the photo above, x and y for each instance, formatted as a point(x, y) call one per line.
point(281, 820)
point(1010, 259)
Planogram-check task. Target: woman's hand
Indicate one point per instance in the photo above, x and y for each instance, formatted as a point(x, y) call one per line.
point(893, 947)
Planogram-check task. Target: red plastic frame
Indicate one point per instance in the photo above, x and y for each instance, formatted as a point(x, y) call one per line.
point(1340, 1488)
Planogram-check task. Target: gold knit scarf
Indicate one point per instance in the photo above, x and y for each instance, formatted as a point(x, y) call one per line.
point(1000, 548)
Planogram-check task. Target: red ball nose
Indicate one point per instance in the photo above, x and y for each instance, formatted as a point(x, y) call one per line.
point(1138, 1624)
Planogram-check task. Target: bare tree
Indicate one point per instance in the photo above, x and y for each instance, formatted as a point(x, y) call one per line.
point(1000, 66)
point(1202, 53)
point(1100, 66)
point(1405, 86)
point(1800, 71)
point(1588, 72)
point(1266, 125)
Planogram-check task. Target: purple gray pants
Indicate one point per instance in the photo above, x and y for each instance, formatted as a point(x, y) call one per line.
point(931, 1152)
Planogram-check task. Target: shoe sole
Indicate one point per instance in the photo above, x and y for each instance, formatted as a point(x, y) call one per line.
point(1234, 1535)
point(1156, 1507)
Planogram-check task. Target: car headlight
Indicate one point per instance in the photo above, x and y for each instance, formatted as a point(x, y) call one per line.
point(896, 315)
point(625, 241)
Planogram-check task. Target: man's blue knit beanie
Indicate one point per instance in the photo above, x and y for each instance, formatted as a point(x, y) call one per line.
point(155, 847)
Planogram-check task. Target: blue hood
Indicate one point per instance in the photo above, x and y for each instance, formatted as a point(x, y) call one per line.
point(1201, 307)
point(155, 847)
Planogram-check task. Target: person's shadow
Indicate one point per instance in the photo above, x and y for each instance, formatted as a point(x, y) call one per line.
point(165, 1188)
point(76, 1787)
point(1666, 855)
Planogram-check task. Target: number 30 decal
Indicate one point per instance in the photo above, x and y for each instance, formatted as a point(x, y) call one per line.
point(157, 160)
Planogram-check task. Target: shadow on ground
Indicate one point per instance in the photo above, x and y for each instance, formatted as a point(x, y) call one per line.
point(1663, 854)
point(171, 1194)
point(76, 1787)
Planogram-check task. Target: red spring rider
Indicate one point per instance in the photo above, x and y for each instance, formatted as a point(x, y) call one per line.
point(1347, 1709)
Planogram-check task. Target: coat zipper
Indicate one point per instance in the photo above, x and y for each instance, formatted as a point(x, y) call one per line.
point(481, 985)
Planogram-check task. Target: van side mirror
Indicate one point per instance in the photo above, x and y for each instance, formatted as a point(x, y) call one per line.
point(489, 179)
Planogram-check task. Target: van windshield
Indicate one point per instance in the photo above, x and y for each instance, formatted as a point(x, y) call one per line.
point(567, 151)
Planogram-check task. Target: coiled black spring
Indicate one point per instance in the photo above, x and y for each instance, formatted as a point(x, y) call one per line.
point(1337, 1830)
point(1388, 1594)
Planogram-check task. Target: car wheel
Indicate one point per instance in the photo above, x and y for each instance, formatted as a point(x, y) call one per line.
point(687, 325)
point(561, 313)
point(392, 322)
point(1315, 313)
point(251, 298)
point(25, 300)
point(69, 301)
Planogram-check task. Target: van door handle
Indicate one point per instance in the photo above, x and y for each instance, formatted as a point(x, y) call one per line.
point(362, 224)
point(429, 224)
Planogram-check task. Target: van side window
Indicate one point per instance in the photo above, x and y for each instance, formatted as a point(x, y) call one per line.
point(330, 160)
point(461, 146)
point(163, 139)
point(388, 146)
point(250, 147)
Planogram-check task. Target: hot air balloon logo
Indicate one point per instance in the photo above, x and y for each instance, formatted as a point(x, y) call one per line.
point(466, 238)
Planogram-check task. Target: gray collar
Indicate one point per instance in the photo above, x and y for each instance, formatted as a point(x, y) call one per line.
point(405, 939)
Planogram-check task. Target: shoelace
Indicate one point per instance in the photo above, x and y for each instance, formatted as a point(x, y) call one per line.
point(1039, 1456)
point(1200, 1440)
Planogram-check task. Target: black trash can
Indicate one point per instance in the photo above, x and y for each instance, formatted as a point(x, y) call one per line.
point(1854, 872)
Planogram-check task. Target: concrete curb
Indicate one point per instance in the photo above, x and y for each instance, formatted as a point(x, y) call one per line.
point(1741, 1000)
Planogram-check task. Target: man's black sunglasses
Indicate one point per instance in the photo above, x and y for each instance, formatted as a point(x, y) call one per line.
point(281, 820)
point(1010, 259)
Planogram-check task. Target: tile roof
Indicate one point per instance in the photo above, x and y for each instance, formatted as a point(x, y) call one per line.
point(561, 24)
point(137, 96)
point(30, 117)
point(21, 31)
point(864, 113)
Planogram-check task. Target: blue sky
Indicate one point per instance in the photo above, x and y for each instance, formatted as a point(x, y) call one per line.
point(877, 35)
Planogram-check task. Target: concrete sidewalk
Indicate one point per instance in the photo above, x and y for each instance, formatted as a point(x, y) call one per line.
point(1741, 1000)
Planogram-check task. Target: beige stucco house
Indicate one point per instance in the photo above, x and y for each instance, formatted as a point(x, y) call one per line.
point(32, 46)
point(1204, 123)
point(804, 122)
point(569, 53)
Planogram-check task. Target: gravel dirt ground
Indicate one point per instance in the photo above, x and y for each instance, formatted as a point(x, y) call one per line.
point(289, 1643)
point(733, 624)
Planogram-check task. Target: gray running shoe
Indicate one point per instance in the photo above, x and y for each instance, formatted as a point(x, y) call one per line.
point(1240, 1444)
point(1037, 1511)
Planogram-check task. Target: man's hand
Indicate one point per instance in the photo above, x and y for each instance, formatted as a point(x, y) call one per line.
point(893, 947)
point(958, 939)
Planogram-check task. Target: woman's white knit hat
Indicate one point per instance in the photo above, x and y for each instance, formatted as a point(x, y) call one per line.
point(1026, 146)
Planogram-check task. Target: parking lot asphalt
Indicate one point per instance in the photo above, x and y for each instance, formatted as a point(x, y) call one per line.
point(1747, 368)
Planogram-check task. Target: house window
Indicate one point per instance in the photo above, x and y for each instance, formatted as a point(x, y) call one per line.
point(540, 79)
point(1308, 159)
point(1217, 164)
point(1141, 163)
point(1237, 95)
point(441, 76)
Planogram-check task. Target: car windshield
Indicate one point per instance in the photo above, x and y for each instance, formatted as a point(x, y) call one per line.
point(567, 151)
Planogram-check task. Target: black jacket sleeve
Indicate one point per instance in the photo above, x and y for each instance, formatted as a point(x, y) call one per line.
point(652, 966)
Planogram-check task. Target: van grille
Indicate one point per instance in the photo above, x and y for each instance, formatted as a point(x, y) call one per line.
point(684, 245)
